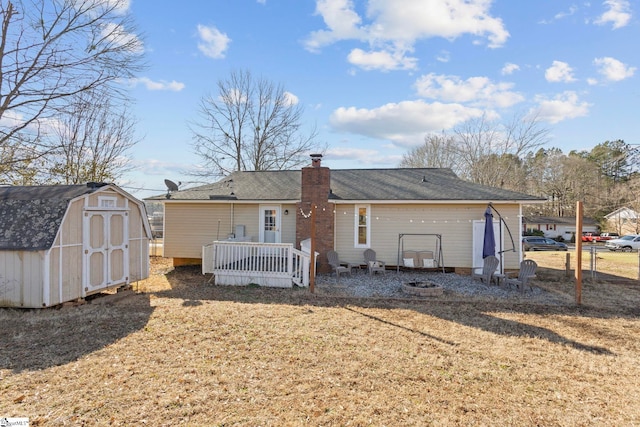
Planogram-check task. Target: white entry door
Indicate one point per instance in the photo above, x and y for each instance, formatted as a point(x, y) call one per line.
point(106, 250)
point(478, 242)
point(270, 224)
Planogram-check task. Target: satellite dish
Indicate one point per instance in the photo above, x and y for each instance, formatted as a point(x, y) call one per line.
point(171, 186)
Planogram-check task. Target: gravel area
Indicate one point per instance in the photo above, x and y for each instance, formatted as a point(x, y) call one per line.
point(389, 285)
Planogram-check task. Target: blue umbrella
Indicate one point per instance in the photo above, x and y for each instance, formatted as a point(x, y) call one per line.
point(489, 244)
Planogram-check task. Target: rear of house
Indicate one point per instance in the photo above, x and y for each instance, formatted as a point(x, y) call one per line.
point(63, 243)
point(387, 210)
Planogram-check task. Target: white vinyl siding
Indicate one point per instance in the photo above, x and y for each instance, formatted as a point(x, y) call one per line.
point(190, 226)
point(453, 222)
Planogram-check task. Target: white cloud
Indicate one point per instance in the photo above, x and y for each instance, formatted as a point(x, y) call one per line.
point(118, 36)
point(444, 56)
point(291, 98)
point(474, 90)
point(117, 6)
point(381, 60)
point(618, 13)
point(157, 85)
point(212, 43)
point(342, 23)
point(362, 156)
point(612, 69)
point(11, 119)
point(404, 123)
point(562, 107)
point(509, 68)
point(395, 30)
point(572, 9)
point(559, 72)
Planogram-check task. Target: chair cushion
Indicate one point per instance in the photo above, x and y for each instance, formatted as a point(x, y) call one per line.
point(428, 263)
point(408, 262)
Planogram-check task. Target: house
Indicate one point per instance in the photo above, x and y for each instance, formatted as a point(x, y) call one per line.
point(623, 221)
point(388, 210)
point(61, 243)
point(553, 226)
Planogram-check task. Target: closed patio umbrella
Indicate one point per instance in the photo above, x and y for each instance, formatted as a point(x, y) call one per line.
point(489, 245)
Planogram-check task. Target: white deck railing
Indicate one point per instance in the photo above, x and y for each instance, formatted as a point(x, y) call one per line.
point(265, 264)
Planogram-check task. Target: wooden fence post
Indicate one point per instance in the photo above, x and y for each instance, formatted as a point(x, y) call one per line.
point(578, 273)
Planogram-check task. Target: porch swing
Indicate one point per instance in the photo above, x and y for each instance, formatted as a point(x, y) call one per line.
point(423, 258)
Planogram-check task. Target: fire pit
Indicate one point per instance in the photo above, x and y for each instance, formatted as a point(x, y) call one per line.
point(423, 289)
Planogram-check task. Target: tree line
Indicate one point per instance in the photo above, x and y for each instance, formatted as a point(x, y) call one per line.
point(510, 156)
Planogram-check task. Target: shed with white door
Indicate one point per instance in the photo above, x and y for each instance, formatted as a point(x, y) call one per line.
point(61, 243)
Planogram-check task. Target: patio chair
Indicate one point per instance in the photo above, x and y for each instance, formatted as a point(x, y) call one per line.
point(527, 272)
point(338, 266)
point(488, 269)
point(373, 265)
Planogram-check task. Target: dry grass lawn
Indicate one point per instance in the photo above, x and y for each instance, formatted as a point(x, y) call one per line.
point(183, 352)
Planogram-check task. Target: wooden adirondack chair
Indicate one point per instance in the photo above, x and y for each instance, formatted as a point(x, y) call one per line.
point(374, 265)
point(338, 266)
point(489, 266)
point(527, 272)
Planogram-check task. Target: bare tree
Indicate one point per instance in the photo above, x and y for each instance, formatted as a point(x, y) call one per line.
point(17, 167)
point(92, 136)
point(438, 151)
point(51, 50)
point(251, 124)
point(484, 144)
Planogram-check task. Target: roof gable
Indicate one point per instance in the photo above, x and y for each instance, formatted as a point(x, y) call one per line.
point(30, 216)
point(408, 184)
point(622, 213)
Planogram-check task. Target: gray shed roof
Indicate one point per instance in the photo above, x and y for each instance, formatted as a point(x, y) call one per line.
point(30, 216)
point(411, 184)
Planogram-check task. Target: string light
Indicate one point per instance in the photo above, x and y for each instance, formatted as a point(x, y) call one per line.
point(412, 220)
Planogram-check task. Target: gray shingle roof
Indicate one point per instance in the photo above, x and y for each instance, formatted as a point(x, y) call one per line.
point(351, 185)
point(31, 216)
point(557, 220)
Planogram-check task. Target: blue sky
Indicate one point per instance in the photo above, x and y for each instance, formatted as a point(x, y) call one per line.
point(376, 76)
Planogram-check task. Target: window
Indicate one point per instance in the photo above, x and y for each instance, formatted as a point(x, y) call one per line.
point(362, 226)
point(269, 220)
point(107, 202)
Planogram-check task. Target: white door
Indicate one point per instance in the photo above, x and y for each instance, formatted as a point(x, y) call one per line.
point(106, 250)
point(478, 242)
point(270, 224)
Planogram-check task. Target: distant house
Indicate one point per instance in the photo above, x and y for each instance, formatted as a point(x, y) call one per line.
point(61, 243)
point(355, 209)
point(553, 226)
point(623, 221)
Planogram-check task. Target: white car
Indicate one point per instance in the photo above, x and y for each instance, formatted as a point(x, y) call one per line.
point(626, 243)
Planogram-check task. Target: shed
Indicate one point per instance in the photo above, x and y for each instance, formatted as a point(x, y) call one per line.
point(61, 243)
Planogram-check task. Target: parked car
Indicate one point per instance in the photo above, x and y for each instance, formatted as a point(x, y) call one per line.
point(534, 243)
point(588, 236)
point(626, 243)
point(607, 236)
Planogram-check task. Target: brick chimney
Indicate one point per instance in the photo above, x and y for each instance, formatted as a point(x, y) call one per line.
point(316, 183)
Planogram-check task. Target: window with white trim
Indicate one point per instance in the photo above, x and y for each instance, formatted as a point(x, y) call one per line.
point(362, 226)
point(107, 202)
